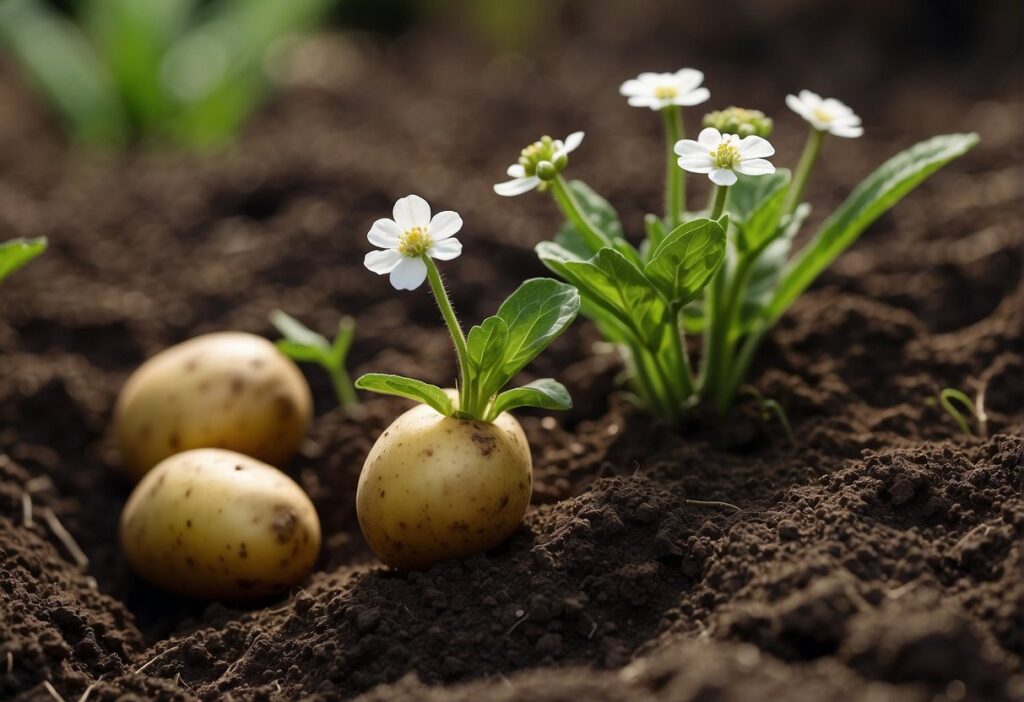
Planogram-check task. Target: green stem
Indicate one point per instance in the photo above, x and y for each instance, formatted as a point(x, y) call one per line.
point(803, 170)
point(729, 322)
point(741, 366)
point(675, 177)
point(343, 387)
point(467, 400)
point(682, 359)
point(716, 329)
point(595, 238)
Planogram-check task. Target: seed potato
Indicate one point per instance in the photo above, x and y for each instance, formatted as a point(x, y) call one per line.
point(215, 524)
point(435, 487)
point(226, 390)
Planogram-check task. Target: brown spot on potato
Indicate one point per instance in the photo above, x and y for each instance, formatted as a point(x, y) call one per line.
point(188, 523)
point(174, 441)
point(236, 385)
point(284, 523)
point(243, 551)
point(485, 443)
point(504, 502)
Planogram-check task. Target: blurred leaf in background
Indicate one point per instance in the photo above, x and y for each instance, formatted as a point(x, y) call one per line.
point(183, 70)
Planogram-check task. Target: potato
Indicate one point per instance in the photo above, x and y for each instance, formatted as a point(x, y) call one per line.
point(226, 390)
point(216, 524)
point(435, 487)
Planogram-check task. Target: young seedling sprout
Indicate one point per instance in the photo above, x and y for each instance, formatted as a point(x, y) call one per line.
point(453, 476)
point(302, 344)
point(951, 398)
point(726, 272)
point(17, 252)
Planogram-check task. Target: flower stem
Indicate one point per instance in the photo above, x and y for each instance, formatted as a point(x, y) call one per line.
point(803, 170)
point(717, 325)
point(595, 238)
point(343, 387)
point(675, 178)
point(466, 397)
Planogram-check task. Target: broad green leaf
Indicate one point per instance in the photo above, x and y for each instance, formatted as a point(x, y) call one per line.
point(685, 261)
point(750, 191)
point(535, 314)
point(487, 343)
point(298, 333)
point(879, 192)
point(545, 393)
point(618, 285)
point(17, 252)
point(300, 352)
point(417, 390)
point(761, 224)
point(55, 55)
point(596, 209)
point(767, 269)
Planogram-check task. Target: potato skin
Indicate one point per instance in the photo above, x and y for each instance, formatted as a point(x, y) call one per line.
point(215, 524)
point(435, 487)
point(227, 390)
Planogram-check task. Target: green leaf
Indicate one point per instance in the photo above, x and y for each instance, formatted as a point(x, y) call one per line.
point(535, 315)
point(343, 340)
point(545, 393)
point(596, 209)
point(298, 333)
point(417, 390)
point(687, 259)
point(762, 222)
point(300, 352)
point(767, 269)
point(879, 192)
point(487, 343)
point(58, 58)
point(17, 252)
point(750, 191)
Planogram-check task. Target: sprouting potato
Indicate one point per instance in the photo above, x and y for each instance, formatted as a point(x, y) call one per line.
point(436, 487)
point(226, 390)
point(215, 524)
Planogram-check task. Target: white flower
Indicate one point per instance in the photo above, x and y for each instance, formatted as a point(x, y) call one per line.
point(826, 115)
point(722, 156)
point(539, 162)
point(410, 236)
point(660, 90)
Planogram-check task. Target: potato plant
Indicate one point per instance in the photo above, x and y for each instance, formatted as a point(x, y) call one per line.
point(453, 476)
point(216, 524)
point(726, 271)
point(226, 390)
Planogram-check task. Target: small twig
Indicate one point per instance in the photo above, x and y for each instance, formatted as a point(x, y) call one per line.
point(26, 510)
point(522, 618)
point(971, 533)
point(154, 658)
point(53, 691)
point(241, 658)
point(979, 410)
point(40, 482)
point(714, 503)
point(65, 537)
point(88, 691)
point(10, 663)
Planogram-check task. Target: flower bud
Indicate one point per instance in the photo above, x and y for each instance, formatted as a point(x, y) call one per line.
point(547, 170)
point(740, 121)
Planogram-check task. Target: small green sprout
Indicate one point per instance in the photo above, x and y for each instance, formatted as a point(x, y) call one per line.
point(302, 344)
point(158, 69)
point(727, 272)
point(769, 407)
point(17, 252)
point(949, 398)
point(493, 352)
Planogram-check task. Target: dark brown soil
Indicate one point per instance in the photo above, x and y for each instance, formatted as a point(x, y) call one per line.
point(879, 559)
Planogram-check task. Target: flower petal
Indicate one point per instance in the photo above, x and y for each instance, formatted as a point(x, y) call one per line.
point(445, 224)
point(696, 163)
point(516, 170)
point(572, 142)
point(633, 87)
point(689, 147)
point(692, 97)
point(755, 147)
point(384, 233)
point(797, 105)
point(850, 132)
point(409, 274)
point(445, 250)
point(755, 167)
point(381, 262)
point(723, 176)
point(709, 138)
point(518, 186)
point(412, 211)
point(810, 99)
point(646, 101)
point(686, 79)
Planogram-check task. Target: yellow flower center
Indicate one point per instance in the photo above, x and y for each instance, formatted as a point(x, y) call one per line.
point(666, 92)
point(415, 242)
point(727, 155)
point(822, 115)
